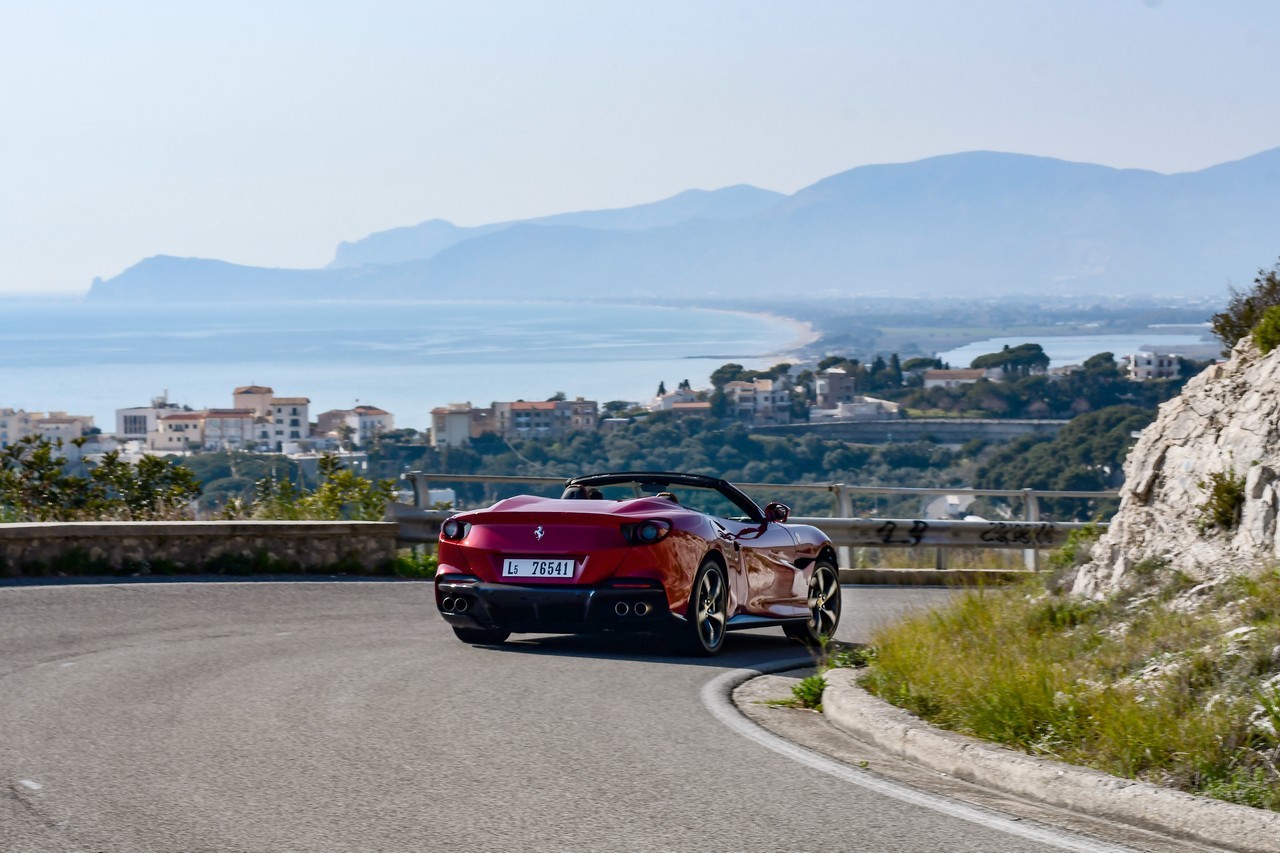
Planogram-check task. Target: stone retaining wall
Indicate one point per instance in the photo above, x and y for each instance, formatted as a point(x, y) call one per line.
point(172, 547)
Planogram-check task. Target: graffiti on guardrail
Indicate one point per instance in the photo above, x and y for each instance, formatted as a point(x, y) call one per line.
point(888, 533)
point(1013, 533)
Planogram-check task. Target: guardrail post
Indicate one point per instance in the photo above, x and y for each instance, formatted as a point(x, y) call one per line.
point(844, 509)
point(1031, 513)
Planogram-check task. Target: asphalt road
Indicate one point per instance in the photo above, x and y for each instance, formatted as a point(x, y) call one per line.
point(345, 717)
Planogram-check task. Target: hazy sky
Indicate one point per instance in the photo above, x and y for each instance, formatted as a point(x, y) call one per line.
point(265, 132)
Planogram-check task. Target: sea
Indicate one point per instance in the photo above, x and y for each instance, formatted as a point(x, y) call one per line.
point(92, 358)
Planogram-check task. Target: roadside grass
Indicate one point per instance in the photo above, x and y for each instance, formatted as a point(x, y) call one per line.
point(807, 692)
point(408, 564)
point(1171, 684)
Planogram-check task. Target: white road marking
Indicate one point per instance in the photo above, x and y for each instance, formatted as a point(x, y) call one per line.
point(68, 663)
point(27, 783)
point(283, 633)
point(717, 697)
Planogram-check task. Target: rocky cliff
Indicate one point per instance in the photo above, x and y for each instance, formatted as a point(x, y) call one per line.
point(1201, 485)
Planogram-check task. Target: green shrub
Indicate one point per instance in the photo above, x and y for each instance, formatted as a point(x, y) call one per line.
point(808, 692)
point(1267, 333)
point(1225, 502)
point(1077, 549)
point(1245, 311)
point(410, 565)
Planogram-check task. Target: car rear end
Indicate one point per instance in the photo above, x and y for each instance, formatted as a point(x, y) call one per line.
point(558, 566)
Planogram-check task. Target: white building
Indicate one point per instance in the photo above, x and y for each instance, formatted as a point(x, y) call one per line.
point(59, 426)
point(363, 423)
point(138, 422)
point(858, 409)
point(454, 425)
point(15, 424)
point(667, 402)
point(1149, 365)
point(290, 421)
point(178, 433)
point(257, 398)
point(953, 378)
point(228, 429)
point(760, 402)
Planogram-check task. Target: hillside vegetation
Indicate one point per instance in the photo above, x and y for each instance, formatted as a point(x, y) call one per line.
point(1154, 652)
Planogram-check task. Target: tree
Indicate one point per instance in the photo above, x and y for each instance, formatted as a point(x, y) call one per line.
point(558, 397)
point(1020, 360)
point(662, 388)
point(1245, 310)
point(726, 373)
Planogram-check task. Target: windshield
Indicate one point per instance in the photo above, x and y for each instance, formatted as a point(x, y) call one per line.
point(697, 497)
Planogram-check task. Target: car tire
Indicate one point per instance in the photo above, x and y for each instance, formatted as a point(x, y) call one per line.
point(708, 610)
point(482, 636)
point(824, 607)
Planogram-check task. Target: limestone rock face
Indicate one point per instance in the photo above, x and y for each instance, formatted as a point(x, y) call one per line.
point(1226, 421)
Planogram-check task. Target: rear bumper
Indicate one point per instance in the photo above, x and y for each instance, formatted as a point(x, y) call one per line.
point(470, 603)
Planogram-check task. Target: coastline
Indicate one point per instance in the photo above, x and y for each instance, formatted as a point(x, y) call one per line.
point(406, 356)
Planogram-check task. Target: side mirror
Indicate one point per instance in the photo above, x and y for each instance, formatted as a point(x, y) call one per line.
point(777, 512)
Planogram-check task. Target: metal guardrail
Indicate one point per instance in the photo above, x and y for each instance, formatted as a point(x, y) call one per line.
point(420, 525)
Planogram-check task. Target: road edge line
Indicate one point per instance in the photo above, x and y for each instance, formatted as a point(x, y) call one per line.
point(717, 698)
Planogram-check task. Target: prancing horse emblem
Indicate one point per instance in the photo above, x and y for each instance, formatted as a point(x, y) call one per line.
point(538, 533)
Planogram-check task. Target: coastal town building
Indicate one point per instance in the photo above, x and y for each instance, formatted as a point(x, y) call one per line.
point(256, 398)
point(287, 421)
point(458, 423)
point(228, 429)
point(666, 402)
point(857, 409)
point(180, 432)
point(15, 425)
point(359, 425)
point(550, 419)
point(953, 378)
point(59, 426)
point(760, 402)
point(1149, 365)
point(833, 387)
point(136, 423)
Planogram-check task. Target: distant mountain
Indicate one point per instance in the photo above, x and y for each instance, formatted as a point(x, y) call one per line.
point(424, 241)
point(978, 223)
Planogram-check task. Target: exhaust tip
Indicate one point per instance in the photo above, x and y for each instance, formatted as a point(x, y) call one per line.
point(459, 605)
point(446, 604)
point(642, 609)
point(622, 608)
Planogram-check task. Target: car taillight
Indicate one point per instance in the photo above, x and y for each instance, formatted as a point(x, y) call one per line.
point(646, 532)
point(454, 530)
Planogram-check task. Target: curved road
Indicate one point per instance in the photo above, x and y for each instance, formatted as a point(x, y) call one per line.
point(345, 716)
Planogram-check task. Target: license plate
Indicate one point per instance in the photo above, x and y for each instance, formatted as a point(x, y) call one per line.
point(537, 568)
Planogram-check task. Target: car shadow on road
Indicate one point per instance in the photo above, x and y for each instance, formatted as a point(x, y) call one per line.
point(741, 649)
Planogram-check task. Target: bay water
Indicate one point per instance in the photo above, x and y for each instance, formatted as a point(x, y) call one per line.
point(406, 357)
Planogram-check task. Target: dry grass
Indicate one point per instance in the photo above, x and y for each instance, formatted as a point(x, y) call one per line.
point(1152, 685)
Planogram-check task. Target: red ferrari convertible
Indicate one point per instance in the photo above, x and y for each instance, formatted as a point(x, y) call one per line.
point(640, 552)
